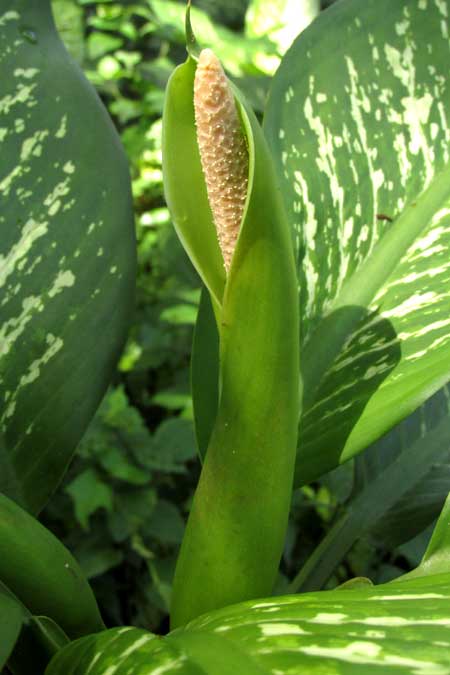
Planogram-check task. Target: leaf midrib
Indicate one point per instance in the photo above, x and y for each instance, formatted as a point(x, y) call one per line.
point(362, 287)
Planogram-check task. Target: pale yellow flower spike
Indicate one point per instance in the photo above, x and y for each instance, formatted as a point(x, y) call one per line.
point(223, 151)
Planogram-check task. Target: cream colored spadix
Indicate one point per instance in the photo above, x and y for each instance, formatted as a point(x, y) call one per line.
point(223, 150)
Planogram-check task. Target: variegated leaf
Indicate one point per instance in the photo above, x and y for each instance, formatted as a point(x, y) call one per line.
point(401, 628)
point(358, 120)
point(66, 252)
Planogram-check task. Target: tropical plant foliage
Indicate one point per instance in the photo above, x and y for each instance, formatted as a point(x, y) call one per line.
point(357, 127)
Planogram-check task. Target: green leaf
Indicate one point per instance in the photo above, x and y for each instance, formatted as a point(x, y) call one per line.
point(11, 617)
point(237, 53)
point(395, 628)
point(97, 555)
point(100, 44)
point(173, 444)
point(9, 479)
point(281, 21)
point(436, 559)
point(422, 503)
point(179, 314)
point(89, 493)
point(165, 523)
point(358, 123)
point(39, 640)
point(42, 574)
point(119, 466)
point(56, 637)
point(67, 258)
point(69, 22)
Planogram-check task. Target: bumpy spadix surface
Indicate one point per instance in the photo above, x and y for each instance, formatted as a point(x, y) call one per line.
point(223, 150)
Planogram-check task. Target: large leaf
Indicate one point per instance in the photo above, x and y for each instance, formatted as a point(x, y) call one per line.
point(358, 121)
point(387, 629)
point(66, 253)
point(42, 574)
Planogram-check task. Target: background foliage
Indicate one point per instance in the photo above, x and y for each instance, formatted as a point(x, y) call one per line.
point(122, 506)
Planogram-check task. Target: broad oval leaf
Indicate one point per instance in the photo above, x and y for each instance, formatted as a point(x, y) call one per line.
point(395, 628)
point(67, 255)
point(358, 121)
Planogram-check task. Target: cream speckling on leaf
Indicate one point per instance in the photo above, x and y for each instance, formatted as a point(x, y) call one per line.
point(223, 150)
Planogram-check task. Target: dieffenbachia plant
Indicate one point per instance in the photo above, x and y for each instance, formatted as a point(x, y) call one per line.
point(321, 243)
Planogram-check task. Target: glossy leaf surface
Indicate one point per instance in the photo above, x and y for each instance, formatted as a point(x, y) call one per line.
point(358, 122)
point(42, 574)
point(67, 255)
point(395, 628)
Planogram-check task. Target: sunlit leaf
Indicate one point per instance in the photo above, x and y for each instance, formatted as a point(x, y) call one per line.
point(358, 121)
point(69, 22)
point(281, 21)
point(395, 628)
point(67, 255)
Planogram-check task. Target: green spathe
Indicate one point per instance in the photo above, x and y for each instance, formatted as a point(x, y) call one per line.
point(236, 529)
